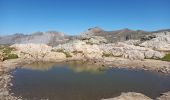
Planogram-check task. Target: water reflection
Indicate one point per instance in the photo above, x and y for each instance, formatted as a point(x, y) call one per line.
point(83, 81)
point(76, 66)
point(39, 66)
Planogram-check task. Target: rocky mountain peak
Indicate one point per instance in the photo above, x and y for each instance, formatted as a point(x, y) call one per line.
point(95, 29)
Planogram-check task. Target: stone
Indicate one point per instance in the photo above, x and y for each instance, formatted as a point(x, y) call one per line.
point(158, 55)
point(132, 42)
point(151, 54)
point(134, 55)
point(130, 96)
point(165, 96)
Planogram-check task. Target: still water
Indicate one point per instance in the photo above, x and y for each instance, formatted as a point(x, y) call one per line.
point(82, 81)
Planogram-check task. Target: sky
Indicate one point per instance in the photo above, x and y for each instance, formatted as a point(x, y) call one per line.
point(75, 16)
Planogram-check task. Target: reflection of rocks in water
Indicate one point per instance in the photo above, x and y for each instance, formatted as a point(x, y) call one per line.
point(39, 66)
point(76, 66)
point(79, 66)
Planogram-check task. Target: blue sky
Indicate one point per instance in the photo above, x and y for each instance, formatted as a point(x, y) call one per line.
point(75, 16)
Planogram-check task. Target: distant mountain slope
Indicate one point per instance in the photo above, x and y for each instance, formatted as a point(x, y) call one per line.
point(50, 37)
point(54, 38)
point(163, 30)
point(114, 36)
point(11, 39)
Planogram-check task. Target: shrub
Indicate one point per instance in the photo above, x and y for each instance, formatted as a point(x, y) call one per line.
point(6, 49)
point(107, 55)
point(67, 54)
point(166, 57)
point(6, 52)
point(10, 56)
point(59, 50)
point(76, 52)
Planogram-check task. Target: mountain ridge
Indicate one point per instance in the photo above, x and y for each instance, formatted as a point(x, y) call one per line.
point(55, 37)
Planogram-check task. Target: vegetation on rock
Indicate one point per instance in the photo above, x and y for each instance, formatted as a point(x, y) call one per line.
point(6, 53)
point(166, 57)
point(107, 55)
point(11, 56)
point(76, 52)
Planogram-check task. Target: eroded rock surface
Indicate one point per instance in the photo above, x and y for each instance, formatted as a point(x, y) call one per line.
point(115, 49)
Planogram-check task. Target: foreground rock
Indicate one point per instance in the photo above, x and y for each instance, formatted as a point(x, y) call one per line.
point(165, 96)
point(138, 96)
point(130, 96)
point(4, 85)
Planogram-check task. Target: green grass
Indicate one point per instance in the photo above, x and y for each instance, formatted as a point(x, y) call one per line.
point(59, 50)
point(67, 54)
point(166, 57)
point(7, 52)
point(107, 55)
point(76, 52)
point(6, 49)
point(10, 56)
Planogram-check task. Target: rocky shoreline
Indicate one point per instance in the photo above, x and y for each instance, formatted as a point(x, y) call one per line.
point(8, 66)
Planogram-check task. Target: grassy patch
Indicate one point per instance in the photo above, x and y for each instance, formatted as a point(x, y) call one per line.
point(10, 56)
point(7, 52)
point(59, 50)
point(107, 55)
point(166, 57)
point(67, 54)
point(76, 52)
